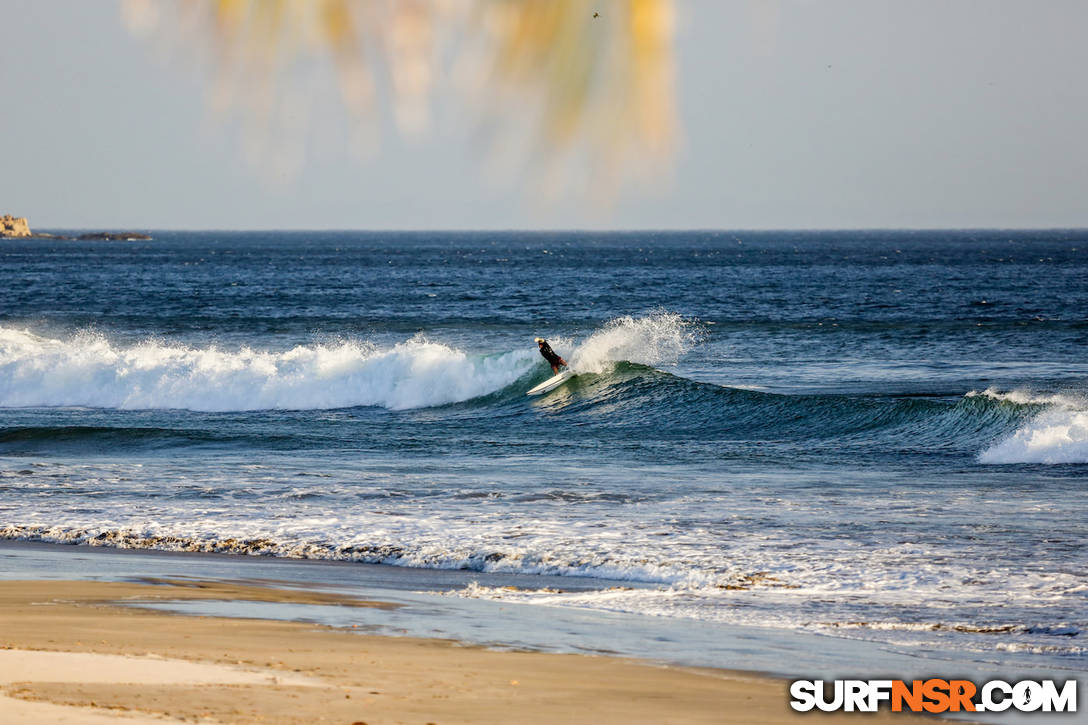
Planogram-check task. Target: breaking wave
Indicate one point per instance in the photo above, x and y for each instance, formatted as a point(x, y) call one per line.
point(1058, 433)
point(619, 362)
point(89, 370)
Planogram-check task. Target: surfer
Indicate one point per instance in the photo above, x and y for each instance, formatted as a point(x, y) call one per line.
point(549, 354)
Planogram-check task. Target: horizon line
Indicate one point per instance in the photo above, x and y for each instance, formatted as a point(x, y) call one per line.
point(563, 230)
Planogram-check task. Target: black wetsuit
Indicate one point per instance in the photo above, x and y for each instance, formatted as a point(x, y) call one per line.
point(549, 354)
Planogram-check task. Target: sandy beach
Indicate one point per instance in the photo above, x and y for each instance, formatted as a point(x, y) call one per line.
point(71, 652)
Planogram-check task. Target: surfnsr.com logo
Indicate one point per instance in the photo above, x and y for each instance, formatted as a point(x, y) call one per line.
point(934, 695)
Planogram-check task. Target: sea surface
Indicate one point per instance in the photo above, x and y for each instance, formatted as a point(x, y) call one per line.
point(877, 436)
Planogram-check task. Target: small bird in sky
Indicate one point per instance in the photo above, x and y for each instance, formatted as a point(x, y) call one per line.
point(596, 15)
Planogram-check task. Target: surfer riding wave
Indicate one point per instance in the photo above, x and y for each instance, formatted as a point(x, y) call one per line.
point(550, 355)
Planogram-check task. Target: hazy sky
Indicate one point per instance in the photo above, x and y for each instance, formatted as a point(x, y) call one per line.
point(802, 113)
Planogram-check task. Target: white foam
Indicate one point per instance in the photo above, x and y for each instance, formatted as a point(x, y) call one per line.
point(1058, 434)
point(1054, 436)
point(88, 370)
point(657, 339)
point(732, 575)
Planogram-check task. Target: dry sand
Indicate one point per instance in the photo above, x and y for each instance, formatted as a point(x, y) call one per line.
point(70, 654)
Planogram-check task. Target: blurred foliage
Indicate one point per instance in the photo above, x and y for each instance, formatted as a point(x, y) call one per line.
point(577, 94)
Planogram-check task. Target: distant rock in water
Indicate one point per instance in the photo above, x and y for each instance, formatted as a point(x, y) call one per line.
point(128, 236)
point(11, 226)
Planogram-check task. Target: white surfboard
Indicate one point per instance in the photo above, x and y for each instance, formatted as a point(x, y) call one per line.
point(551, 383)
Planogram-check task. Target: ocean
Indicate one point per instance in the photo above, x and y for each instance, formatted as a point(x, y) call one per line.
point(874, 436)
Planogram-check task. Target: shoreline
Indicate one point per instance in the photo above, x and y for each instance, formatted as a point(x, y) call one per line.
point(251, 667)
point(438, 604)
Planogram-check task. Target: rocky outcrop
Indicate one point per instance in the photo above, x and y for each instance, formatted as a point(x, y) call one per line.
point(11, 226)
point(126, 236)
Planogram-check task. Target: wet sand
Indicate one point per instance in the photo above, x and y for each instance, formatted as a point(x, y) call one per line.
point(71, 653)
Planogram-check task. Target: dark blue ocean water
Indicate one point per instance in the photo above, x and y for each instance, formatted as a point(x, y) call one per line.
point(873, 435)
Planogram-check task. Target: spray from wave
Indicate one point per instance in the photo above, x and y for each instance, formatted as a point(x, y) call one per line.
point(657, 339)
point(1057, 434)
point(89, 370)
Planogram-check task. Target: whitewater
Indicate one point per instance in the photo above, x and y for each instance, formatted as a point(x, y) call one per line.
point(1057, 434)
point(87, 370)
